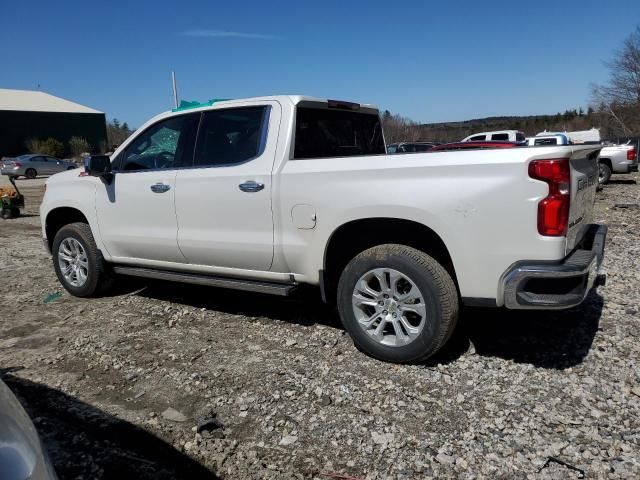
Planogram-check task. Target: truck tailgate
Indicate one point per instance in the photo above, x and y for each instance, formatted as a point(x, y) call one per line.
point(584, 181)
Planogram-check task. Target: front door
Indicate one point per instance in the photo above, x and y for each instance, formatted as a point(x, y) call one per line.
point(136, 211)
point(223, 203)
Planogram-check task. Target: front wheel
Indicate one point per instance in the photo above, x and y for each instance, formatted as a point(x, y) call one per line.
point(397, 303)
point(78, 263)
point(31, 173)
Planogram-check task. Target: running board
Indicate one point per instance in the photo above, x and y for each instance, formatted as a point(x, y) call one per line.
point(282, 289)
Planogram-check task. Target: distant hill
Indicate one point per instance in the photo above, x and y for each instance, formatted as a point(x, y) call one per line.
point(530, 125)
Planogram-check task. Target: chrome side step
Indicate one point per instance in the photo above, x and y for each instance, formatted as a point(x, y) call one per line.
point(282, 289)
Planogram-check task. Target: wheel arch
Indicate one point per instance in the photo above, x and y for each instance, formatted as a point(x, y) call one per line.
point(606, 161)
point(355, 236)
point(58, 218)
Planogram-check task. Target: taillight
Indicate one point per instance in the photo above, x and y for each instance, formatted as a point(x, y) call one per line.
point(17, 165)
point(553, 210)
point(631, 154)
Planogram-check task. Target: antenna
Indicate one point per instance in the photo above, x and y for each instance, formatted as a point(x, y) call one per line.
point(175, 89)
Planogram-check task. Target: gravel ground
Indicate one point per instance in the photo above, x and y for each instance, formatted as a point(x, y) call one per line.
point(169, 381)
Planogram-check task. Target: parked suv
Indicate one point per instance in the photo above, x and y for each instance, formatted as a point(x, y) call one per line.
point(34, 165)
point(266, 194)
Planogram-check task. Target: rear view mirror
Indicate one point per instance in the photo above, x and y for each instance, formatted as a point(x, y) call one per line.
point(98, 165)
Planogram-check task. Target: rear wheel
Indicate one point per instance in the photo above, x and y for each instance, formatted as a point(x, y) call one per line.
point(604, 173)
point(6, 214)
point(397, 303)
point(15, 212)
point(31, 173)
point(78, 262)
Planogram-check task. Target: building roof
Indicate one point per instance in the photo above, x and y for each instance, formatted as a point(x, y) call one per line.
point(36, 101)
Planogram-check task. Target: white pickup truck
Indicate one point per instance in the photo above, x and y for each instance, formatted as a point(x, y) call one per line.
point(265, 194)
point(617, 159)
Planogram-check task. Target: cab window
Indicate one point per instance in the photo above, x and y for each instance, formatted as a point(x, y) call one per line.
point(165, 145)
point(231, 136)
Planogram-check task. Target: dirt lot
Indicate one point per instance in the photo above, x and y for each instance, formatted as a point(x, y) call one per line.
point(118, 386)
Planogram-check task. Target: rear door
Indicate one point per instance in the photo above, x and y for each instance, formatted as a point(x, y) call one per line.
point(584, 181)
point(223, 203)
point(55, 165)
point(38, 164)
point(48, 166)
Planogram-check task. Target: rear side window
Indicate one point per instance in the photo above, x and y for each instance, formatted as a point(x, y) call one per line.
point(325, 133)
point(500, 136)
point(520, 137)
point(478, 137)
point(231, 136)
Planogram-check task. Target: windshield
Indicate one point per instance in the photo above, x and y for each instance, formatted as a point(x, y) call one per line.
point(324, 133)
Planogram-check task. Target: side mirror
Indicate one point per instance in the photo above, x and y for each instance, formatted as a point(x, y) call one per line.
point(98, 165)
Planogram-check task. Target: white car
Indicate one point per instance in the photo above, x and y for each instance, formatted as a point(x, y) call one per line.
point(266, 194)
point(499, 135)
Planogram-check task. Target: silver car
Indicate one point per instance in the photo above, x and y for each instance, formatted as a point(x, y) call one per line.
point(33, 165)
point(21, 453)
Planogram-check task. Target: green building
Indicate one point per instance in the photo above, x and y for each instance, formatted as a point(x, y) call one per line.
point(27, 114)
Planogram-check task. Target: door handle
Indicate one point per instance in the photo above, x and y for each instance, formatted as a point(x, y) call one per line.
point(160, 188)
point(251, 186)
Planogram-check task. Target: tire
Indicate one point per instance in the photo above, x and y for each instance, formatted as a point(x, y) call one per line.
point(15, 212)
point(6, 214)
point(604, 173)
point(71, 168)
point(98, 276)
point(415, 274)
point(31, 173)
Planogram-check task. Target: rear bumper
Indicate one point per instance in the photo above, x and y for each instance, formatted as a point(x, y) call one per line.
point(557, 285)
point(626, 166)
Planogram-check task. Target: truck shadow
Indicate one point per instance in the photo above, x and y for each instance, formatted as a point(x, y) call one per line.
point(304, 308)
point(85, 442)
point(546, 339)
point(626, 181)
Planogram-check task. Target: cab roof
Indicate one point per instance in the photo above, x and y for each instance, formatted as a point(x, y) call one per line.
point(293, 99)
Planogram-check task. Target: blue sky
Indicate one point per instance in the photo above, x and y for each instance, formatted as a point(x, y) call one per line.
point(430, 61)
